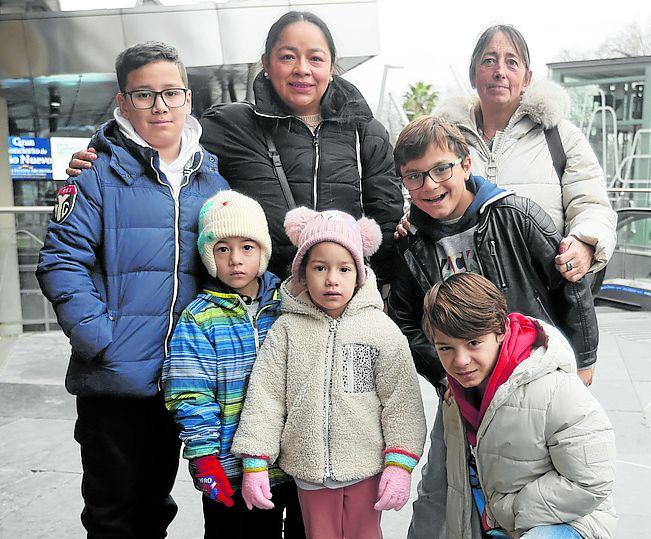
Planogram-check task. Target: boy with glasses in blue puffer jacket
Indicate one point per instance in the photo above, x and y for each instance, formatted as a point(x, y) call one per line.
point(119, 264)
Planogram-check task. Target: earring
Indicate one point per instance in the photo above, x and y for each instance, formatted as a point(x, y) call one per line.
point(331, 78)
point(266, 75)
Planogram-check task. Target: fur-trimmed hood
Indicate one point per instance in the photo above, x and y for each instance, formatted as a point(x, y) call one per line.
point(545, 102)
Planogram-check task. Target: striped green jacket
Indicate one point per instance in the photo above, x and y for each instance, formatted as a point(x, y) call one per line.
point(206, 373)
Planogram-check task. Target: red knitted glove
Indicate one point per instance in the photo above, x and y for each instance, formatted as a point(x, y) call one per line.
point(209, 477)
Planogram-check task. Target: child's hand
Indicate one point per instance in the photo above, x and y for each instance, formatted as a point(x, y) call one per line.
point(394, 488)
point(256, 490)
point(209, 477)
point(402, 228)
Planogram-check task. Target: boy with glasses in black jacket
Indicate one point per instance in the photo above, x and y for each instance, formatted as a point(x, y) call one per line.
point(460, 222)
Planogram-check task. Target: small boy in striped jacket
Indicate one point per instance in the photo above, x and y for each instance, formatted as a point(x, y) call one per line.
point(212, 352)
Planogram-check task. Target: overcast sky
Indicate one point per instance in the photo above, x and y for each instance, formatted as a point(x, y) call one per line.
point(428, 36)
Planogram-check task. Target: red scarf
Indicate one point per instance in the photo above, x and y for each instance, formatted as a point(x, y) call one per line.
point(522, 334)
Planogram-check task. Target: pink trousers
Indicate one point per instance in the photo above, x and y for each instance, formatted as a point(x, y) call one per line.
point(342, 513)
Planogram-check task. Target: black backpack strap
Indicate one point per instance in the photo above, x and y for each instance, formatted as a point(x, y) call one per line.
point(556, 150)
point(277, 164)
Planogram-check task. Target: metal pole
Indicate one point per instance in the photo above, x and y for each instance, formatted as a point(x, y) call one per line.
point(383, 86)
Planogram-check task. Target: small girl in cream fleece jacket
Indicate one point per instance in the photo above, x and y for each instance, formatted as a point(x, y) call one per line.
point(334, 394)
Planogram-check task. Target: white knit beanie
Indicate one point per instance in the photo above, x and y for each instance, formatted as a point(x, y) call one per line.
point(231, 214)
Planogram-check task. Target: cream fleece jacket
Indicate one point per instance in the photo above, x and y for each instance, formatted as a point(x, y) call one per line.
point(329, 396)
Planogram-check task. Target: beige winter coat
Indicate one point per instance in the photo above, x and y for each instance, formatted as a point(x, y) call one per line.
point(520, 160)
point(545, 451)
point(330, 395)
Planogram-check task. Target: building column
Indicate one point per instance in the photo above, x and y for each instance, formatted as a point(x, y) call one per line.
point(10, 310)
point(646, 107)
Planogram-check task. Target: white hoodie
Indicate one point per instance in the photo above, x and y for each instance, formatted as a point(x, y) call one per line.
point(189, 145)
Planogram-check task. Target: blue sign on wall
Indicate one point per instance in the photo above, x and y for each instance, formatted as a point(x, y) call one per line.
point(30, 158)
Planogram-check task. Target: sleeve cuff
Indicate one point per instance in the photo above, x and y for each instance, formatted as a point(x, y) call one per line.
point(402, 459)
point(252, 464)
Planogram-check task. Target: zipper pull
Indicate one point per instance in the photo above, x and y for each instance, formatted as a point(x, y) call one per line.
point(493, 249)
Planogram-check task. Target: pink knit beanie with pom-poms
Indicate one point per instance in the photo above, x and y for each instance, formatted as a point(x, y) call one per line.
point(305, 228)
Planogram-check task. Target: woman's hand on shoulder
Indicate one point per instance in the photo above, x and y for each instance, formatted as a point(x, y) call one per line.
point(80, 161)
point(574, 259)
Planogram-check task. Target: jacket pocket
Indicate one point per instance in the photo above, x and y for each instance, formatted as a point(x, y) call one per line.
point(498, 266)
point(113, 320)
point(359, 368)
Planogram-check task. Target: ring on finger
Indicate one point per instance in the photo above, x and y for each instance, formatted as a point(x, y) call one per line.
point(569, 266)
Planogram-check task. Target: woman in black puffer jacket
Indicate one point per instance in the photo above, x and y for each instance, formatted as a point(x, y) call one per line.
point(334, 153)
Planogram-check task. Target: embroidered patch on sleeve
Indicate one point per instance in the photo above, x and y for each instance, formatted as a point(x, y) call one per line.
point(66, 198)
point(595, 453)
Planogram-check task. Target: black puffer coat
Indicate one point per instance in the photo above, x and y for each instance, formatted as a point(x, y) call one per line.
point(515, 242)
point(321, 168)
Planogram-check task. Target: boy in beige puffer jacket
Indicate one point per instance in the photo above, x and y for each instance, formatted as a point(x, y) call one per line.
point(334, 393)
point(526, 441)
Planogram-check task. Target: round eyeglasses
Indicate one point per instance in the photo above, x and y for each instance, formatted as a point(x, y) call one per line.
point(174, 98)
point(439, 173)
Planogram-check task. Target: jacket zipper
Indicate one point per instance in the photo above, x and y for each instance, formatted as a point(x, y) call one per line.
point(493, 252)
point(315, 194)
point(329, 363)
point(473, 450)
point(176, 197)
point(315, 142)
point(254, 322)
point(549, 318)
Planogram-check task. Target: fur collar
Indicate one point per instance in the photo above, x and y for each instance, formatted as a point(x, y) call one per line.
point(545, 102)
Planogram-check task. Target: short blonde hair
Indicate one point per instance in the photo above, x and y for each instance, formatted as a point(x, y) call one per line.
point(416, 137)
point(464, 306)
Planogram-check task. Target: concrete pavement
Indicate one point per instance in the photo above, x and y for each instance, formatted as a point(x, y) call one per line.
point(40, 466)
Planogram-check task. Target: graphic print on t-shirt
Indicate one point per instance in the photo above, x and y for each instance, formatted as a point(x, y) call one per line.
point(456, 253)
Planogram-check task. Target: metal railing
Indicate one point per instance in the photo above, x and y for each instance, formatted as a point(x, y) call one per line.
point(25, 240)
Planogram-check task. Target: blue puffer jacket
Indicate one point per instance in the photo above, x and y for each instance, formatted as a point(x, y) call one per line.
point(122, 264)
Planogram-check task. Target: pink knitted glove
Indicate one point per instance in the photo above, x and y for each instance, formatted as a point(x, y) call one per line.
point(256, 490)
point(394, 489)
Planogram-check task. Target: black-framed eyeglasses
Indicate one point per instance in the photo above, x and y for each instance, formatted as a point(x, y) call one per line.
point(145, 99)
point(439, 173)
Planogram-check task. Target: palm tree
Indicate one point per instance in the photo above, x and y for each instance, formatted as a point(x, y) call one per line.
point(420, 100)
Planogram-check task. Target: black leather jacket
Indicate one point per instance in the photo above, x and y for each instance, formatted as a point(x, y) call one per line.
point(515, 242)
